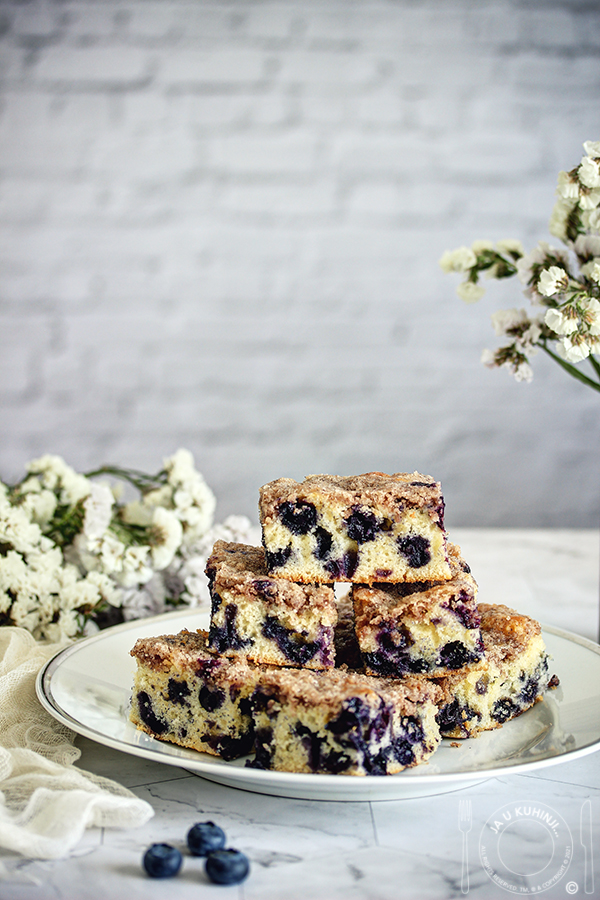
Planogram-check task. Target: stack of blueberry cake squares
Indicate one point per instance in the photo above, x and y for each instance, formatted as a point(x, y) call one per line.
point(351, 642)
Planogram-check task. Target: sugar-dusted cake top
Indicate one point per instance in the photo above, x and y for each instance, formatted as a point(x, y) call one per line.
point(330, 688)
point(240, 568)
point(415, 599)
point(187, 651)
point(386, 491)
point(506, 633)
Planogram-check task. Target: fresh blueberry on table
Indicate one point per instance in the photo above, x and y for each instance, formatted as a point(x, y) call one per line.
point(162, 861)
point(204, 837)
point(227, 866)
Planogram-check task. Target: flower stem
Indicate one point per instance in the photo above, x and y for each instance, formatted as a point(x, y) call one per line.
point(139, 480)
point(572, 370)
point(595, 363)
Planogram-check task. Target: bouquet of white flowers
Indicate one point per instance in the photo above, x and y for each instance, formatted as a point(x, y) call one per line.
point(565, 283)
point(74, 559)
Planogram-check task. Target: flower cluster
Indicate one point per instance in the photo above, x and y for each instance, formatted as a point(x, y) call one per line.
point(563, 283)
point(73, 558)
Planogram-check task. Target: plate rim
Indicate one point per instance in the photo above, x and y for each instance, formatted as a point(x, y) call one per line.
point(412, 778)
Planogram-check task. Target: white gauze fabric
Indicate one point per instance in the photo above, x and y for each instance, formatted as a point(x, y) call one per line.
point(46, 803)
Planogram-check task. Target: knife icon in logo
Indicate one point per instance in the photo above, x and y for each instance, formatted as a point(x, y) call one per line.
point(585, 837)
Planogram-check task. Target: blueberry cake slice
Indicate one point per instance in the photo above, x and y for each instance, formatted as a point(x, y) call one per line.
point(187, 695)
point(266, 619)
point(364, 528)
point(420, 627)
point(513, 676)
point(343, 723)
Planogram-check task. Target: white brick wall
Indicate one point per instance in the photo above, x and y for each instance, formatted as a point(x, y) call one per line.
point(220, 226)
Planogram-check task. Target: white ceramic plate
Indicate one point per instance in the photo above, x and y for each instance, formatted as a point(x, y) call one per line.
point(88, 685)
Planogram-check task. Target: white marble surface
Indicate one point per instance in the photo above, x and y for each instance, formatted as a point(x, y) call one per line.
point(362, 850)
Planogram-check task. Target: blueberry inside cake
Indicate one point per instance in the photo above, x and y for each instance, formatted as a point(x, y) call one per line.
point(187, 695)
point(342, 723)
point(266, 619)
point(513, 676)
point(419, 627)
point(364, 529)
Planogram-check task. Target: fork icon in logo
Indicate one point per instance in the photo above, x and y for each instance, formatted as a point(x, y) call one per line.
point(464, 826)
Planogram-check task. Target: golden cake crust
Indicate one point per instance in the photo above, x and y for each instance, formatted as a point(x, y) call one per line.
point(328, 689)
point(240, 569)
point(185, 652)
point(410, 489)
point(507, 632)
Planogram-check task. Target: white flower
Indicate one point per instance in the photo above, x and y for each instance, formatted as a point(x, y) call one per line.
point(136, 513)
point(106, 587)
point(183, 498)
point(538, 257)
point(165, 537)
point(82, 593)
point(591, 219)
point(234, 529)
point(68, 575)
point(161, 496)
point(13, 572)
point(98, 510)
point(31, 485)
point(589, 172)
point(510, 246)
point(590, 314)
point(530, 337)
point(66, 628)
point(5, 601)
point(50, 469)
point(523, 372)
point(592, 148)
point(149, 600)
point(180, 467)
point(57, 476)
point(593, 341)
point(17, 530)
point(459, 260)
point(47, 561)
point(587, 246)
point(505, 321)
point(488, 358)
point(591, 199)
point(567, 187)
point(591, 269)
point(573, 352)
point(481, 246)
point(39, 506)
point(192, 500)
point(25, 613)
point(552, 281)
point(470, 292)
point(560, 218)
point(104, 554)
point(558, 322)
point(134, 566)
